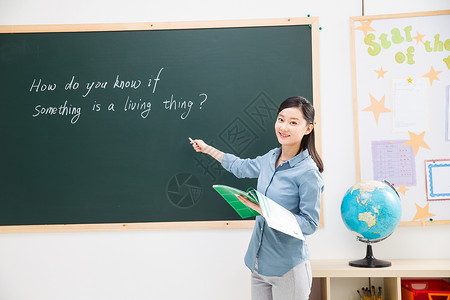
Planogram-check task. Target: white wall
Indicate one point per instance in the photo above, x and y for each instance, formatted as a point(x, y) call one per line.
point(204, 264)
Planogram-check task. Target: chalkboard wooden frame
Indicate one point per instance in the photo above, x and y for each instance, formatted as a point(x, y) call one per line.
point(61, 28)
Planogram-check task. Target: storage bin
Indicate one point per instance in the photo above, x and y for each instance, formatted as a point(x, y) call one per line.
point(425, 289)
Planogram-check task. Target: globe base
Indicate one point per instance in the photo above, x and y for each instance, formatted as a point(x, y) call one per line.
point(370, 261)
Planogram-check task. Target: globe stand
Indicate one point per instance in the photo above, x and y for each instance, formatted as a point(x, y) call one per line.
point(370, 261)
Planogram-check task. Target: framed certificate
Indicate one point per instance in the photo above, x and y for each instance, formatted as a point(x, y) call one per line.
point(437, 174)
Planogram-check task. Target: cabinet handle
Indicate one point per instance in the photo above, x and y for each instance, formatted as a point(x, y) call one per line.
point(430, 295)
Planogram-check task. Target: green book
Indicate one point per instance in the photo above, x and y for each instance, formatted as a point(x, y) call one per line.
point(277, 217)
point(229, 194)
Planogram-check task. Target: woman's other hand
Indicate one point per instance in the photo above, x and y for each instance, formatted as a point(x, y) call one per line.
point(250, 204)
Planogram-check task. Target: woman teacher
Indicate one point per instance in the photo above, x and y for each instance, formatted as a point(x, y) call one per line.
point(291, 176)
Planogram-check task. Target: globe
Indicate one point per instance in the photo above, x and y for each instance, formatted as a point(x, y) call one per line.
point(372, 210)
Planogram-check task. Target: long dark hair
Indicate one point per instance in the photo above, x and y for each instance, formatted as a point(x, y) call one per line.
point(308, 141)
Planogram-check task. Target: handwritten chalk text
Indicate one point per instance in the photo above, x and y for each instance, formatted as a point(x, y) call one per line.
point(62, 110)
point(38, 86)
point(143, 106)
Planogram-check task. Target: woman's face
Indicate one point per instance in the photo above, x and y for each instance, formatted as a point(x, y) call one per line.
point(291, 126)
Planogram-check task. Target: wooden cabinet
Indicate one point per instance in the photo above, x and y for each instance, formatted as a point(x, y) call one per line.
point(336, 280)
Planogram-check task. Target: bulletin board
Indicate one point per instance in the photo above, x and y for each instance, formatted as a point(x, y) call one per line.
point(401, 87)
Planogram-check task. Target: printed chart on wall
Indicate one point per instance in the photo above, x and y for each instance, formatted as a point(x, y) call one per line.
point(401, 87)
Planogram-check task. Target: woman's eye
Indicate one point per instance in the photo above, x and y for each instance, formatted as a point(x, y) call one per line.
point(294, 123)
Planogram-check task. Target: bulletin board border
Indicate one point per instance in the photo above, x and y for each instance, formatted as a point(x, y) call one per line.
point(355, 97)
point(209, 24)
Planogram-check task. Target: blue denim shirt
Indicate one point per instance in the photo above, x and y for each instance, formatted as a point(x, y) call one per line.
point(296, 185)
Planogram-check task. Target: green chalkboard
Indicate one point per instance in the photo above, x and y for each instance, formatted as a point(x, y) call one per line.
point(95, 125)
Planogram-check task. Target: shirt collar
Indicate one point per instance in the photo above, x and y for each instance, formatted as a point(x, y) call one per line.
point(293, 161)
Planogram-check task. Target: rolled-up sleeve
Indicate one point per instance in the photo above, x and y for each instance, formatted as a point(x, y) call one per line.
point(310, 191)
point(242, 168)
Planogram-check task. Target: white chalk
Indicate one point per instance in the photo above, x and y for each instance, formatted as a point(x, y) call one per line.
point(191, 140)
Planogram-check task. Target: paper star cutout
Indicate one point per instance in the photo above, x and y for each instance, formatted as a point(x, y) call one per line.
point(409, 80)
point(376, 107)
point(423, 213)
point(365, 26)
point(402, 189)
point(432, 75)
point(416, 141)
point(419, 37)
point(380, 73)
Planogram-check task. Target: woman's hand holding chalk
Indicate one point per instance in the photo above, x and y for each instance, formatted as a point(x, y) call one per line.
point(198, 145)
point(201, 146)
point(195, 145)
